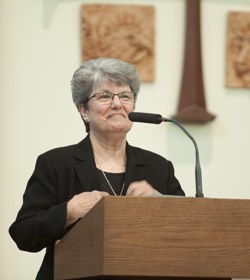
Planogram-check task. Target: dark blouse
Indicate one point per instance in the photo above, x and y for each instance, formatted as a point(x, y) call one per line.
point(116, 180)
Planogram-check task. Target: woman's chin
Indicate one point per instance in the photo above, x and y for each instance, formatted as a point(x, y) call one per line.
point(120, 128)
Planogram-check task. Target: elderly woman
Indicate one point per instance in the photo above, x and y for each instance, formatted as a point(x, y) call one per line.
point(67, 182)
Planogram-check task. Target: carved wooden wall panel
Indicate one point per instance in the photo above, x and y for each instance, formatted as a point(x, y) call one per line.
point(121, 31)
point(238, 50)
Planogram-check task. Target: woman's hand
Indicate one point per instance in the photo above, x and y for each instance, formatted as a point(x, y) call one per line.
point(80, 204)
point(141, 188)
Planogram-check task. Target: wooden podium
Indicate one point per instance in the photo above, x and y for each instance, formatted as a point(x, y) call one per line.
point(158, 238)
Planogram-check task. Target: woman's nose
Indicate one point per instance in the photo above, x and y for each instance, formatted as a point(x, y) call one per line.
point(116, 102)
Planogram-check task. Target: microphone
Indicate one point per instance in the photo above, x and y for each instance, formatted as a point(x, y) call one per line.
point(145, 117)
point(157, 119)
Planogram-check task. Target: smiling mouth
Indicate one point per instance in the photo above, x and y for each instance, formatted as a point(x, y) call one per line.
point(117, 114)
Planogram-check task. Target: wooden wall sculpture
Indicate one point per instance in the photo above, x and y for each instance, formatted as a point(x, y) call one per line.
point(238, 50)
point(192, 105)
point(121, 31)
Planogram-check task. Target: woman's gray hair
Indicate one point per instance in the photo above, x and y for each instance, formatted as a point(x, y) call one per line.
point(91, 73)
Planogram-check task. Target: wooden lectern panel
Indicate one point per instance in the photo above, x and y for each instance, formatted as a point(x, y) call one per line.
point(158, 237)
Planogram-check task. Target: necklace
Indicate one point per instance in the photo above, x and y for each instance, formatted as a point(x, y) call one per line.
point(107, 180)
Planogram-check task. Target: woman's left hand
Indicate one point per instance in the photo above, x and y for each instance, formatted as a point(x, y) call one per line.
point(141, 188)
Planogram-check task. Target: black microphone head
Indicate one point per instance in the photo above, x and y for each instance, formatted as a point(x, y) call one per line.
point(145, 117)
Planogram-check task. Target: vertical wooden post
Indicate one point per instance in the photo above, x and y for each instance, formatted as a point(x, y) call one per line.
point(192, 105)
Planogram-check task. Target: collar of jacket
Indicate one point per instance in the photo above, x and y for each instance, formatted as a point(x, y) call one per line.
point(85, 167)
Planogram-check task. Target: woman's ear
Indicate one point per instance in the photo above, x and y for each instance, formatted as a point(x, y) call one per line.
point(82, 111)
point(85, 118)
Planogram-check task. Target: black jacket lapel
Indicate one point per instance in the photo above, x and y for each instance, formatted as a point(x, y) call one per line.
point(135, 167)
point(85, 166)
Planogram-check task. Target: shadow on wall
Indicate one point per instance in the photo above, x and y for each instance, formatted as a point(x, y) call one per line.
point(49, 8)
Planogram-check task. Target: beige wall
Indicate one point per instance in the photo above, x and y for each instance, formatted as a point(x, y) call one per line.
point(39, 50)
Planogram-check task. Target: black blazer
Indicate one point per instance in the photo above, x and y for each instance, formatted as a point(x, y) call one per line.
point(63, 172)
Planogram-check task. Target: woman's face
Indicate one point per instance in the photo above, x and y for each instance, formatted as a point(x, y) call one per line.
point(110, 116)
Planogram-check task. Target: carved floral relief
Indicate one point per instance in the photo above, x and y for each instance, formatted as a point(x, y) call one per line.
point(121, 31)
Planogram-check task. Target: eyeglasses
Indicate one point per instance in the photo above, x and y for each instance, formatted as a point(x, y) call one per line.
point(105, 97)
